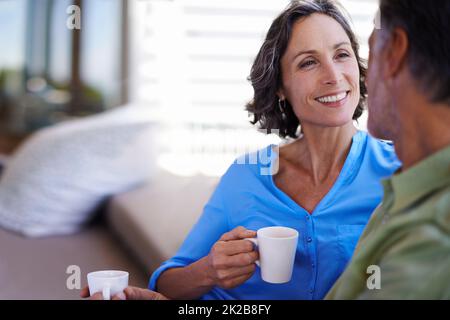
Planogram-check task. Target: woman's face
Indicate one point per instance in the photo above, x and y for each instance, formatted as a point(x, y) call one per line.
point(320, 73)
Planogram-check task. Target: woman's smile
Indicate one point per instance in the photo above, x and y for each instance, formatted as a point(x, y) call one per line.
point(334, 100)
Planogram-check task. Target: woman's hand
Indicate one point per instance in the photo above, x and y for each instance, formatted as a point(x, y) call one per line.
point(231, 260)
point(130, 293)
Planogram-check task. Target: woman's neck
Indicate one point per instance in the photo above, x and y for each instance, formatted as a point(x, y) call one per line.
point(321, 150)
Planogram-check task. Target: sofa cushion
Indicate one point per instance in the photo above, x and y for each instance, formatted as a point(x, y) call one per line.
point(55, 181)
point(155, 219)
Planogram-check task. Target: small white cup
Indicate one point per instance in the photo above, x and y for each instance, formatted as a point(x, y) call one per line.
point(277, 247)
point(108, 282)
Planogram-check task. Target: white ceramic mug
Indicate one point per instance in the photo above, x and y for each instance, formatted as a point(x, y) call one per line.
point(277, 247)
point(108, 282)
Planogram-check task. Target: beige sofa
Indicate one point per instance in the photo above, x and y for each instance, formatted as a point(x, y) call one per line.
point(154, 220)
point(136, 232)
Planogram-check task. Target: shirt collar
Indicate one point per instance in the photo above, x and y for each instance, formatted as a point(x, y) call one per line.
point(429, 175)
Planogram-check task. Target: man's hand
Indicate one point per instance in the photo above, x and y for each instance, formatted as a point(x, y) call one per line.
point(130, 293)
point(86, 294)
point(134, 293)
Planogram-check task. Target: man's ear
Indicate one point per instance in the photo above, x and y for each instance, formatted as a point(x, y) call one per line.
point(396, 50)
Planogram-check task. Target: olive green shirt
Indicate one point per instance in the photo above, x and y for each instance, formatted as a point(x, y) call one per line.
point(408, 238)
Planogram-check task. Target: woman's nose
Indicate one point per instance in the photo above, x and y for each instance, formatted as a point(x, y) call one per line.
point(331, 74)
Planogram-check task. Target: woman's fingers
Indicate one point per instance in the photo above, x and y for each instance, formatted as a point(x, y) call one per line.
point(237, 260)
point(237, 234)
point(233, 247)
point(232, 273)
point(242, 259)
point(232, 257)
point(234, 282)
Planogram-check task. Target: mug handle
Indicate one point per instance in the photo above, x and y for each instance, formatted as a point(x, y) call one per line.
point(106, 291)
point(255, 242)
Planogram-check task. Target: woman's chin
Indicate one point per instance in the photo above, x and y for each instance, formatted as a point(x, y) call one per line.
point(335, 122)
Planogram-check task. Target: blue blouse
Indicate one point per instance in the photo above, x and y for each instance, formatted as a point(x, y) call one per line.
point(247, 196)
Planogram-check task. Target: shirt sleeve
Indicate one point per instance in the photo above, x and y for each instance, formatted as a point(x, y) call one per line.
point(212, 224)
point(416, 267)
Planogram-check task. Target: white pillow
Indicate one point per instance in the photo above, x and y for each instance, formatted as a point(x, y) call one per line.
point(61, 174)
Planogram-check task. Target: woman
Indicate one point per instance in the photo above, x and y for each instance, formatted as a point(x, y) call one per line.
point(307, 75)
point(308, 83)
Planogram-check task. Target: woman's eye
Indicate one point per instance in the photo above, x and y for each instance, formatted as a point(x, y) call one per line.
point(307, 64)
point(343, 55)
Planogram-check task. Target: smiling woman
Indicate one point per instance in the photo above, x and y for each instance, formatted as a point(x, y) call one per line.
point(298, 51)
point(320, 74)
point(324, 184)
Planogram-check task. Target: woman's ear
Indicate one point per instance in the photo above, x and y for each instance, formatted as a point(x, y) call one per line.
point(280, 94)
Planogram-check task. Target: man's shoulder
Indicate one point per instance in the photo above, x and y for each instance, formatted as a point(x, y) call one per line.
point(422, 230)
point(411, 250)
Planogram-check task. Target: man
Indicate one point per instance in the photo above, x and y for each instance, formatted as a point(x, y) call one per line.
point(404, 252)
